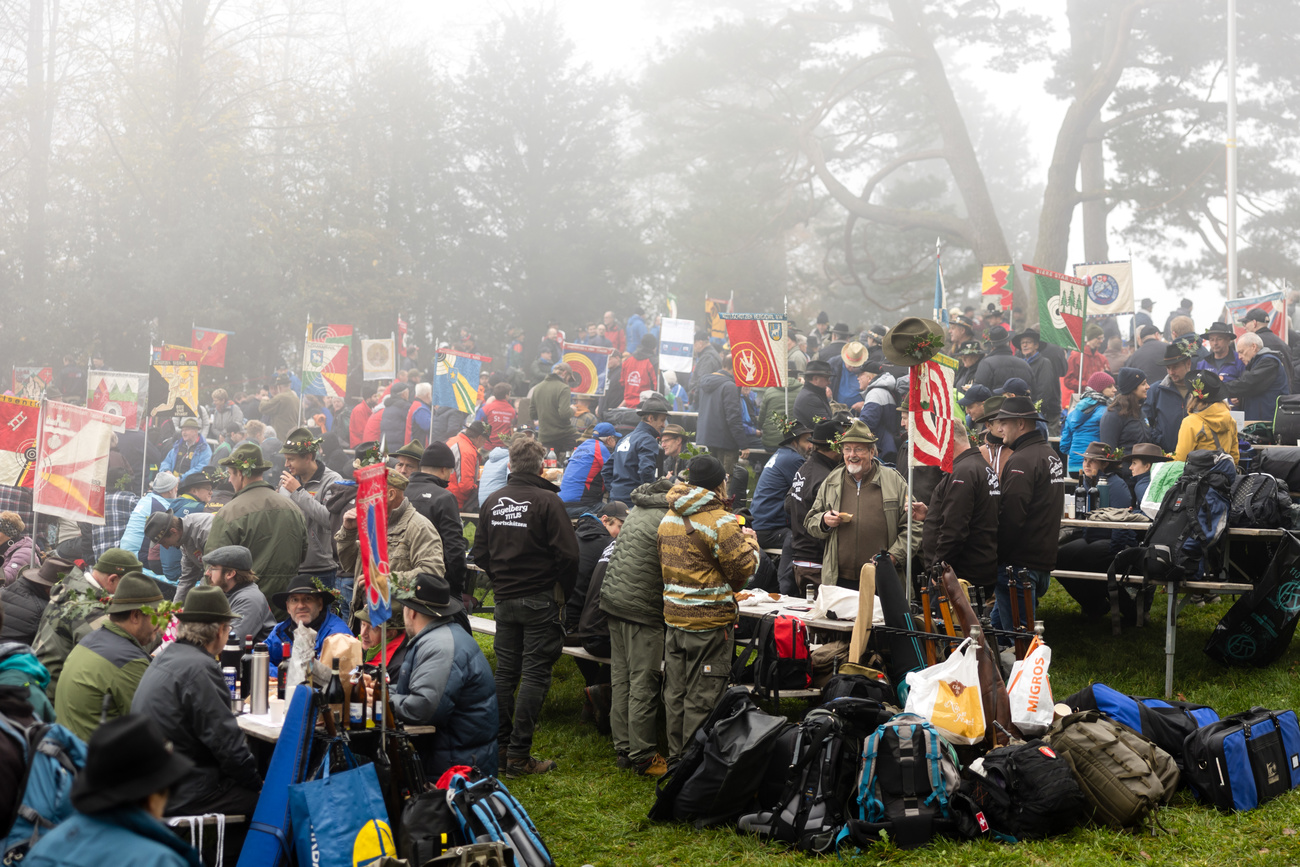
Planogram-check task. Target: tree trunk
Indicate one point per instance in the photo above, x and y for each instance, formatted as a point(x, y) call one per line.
point(38, 170)
point(1092, 174)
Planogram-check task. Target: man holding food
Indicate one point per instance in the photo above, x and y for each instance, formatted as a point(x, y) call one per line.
point(861, 509)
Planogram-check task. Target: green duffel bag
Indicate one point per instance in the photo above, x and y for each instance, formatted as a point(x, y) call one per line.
point(1125, 776)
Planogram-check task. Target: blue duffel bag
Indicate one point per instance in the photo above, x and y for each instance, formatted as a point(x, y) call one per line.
point(1246, 759)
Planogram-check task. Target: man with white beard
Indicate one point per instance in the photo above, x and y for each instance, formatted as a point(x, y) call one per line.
point(861, 510)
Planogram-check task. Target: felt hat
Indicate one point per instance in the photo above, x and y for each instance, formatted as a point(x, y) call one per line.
point(879, 330)
point(1129, 379)
point(432, 596)
point(963, 320)
point(116, 561)
point(157, 525)
point(438, 455)
point(1149, 452)
point(1147, 303)
point(281, 379)
point(478, 429)
point(841, 329)
point(994, 311)
point(1100, 381)
point(970, 347)
point(134, 591)
point(366, 454)
point(1015, 385)
point(412, 450)
point(975, 394)
point(397, 480)
point(1018, 407)
point(825, 431)
point(873, 367)
point(1100, 451)
point(655, 404)
point(246, 456)
point(823, 319)
point(1205, 385)
point(300, 442)
point(991, 408)
point(705, 471)
point(1031, 333)
point(674, 430)
point(127, 759)
point(605, 429)
point(1220, 329)
point(50, 571)
point(164, 482)
point(796, 430)
point(858, 432)
point(230, 557)
point(997, 335)
point(195, 479)
point(1182, 349)
point(853, 354)
point(190, 422)
point(913, 341)
point(1256, 314)
point(206, 604)
point(300, 584)
point(817, 367)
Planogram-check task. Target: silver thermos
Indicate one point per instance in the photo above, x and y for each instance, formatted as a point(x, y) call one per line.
point(260, 677)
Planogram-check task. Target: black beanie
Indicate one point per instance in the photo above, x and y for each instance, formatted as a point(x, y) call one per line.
point(438, 455)
point(705, 471)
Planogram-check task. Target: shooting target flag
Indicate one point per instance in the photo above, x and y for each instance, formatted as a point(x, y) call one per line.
point(455, 379)
point(590, 364)
point(213, 343)
point(757, 349)
point(18, 421)
point(72, 462)
point(1062, 306)
point(930, 413)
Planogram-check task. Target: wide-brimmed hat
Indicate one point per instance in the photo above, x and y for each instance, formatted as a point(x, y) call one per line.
point(858, 432)
point(817, 367)
point(230, 557)
point(991, 408)
point(205, 604)
point(913, 341)
point(1146, 303)
point(963, 320)
point(997, 335)
point(300, 442)
point(1182, 349)
point(655, 404)
point(1030, 333)
point(1019, 407)
point(412, 450)
point(432, 596)
point(128, 759)
point(1220, 329)
point(190, 422)
point(1149, 452)
point(157, 525)
point(1100, 451)
point(366, 454)
point(192, 480)
point(796, 430)
point(301, 584)
point(825, 432)
point(842, 329)
point(134, 591)
point(246, 456)
point(970, 347)
point(49, 572)
point(1206, 385)
point(674, 430)
point(853, 354)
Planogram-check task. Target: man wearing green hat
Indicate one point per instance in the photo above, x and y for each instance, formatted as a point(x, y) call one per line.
point(184, 692)
point(304, 481)
point(77, 605)
point(102, 672)
point(268, 525)
point(861, 510)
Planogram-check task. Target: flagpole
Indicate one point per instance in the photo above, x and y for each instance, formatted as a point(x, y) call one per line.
point(144, 451)
point(785, 314)
point(36, 471)
point(302, 373)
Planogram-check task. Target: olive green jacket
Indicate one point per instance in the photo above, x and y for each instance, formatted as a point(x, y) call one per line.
point(65, 622)
point(268, 525)
point(893, 490)
point(107, 662)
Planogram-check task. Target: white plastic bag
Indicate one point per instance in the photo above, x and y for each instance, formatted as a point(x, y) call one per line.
point(1031, 690)
point(948, 695)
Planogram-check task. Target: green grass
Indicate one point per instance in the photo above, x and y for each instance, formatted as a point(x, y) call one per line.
point(589, 812)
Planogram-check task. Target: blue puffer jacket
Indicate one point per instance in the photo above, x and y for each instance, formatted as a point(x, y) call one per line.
point(1165, 410)
point(768, 505)
point(282, 634)
point(1082, 426)
point(445, 681)
point(127, 835)
point(634, 463)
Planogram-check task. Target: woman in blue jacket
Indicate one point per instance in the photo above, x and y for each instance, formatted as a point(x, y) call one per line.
point(1083, 424)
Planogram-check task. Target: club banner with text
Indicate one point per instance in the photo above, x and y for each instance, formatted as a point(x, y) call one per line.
point(758, 354)
point(372, 537)
point(1110, 291)
point(72, 462)
point(1062, 306)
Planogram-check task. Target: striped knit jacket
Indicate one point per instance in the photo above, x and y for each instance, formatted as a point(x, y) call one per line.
point(701, 574)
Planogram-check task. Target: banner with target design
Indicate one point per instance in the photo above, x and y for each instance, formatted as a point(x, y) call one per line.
point(372, 538)
point(213, 343)
point(590, 364)
point(455, 380)
point(1062, 306)
point(758, 352)
point(72, 462)
point(930, 413)
point(325, 360)
point(18, 422)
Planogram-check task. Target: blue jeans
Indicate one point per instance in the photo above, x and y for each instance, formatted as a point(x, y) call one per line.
point(1002, 596)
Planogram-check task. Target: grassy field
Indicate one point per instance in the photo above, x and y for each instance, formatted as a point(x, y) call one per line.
point(589, 812)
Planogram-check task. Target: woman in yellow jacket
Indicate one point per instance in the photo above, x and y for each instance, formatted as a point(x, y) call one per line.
point(1208, 424)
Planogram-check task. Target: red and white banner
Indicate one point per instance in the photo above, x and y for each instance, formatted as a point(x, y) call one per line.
point(930, 415)
point(758, 354)
point(18, 428)
point(1273, 304)
point(372, 536)
point(72, 461)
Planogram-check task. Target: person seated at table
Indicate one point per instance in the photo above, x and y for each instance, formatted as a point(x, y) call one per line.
point(1093, 550)
point(1209, 423)
point(446, 682)
point(184, 691)
point(371, 637)
point(120, 797)
point(1141, 458)
point(307, 601)
point(230, 568)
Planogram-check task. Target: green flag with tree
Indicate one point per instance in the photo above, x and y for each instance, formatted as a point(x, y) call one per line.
point(1062, 306)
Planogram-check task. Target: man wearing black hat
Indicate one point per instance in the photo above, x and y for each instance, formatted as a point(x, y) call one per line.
point(961, 521)
point(101, 673)
point(1000, 365)
point(445, 682)
point(1223, 358)
point(813, 402)
point(839, 335)
point(280, 410)
point(428, 493)
point(230, 570)
point(305, 481)
point(806, 551)
point(120, 797)
point(1044, 379)
point(875, 337)
point(184, 691)
point(1256, 321)
point(961, 328)
point(1150, 350)
point(24, 601)
point(190, 535)
point(1030, 507)
point(969, 354)
point(707, 362)
point(309, 603)
point(636, 459)
point(1166, 403)
point(526, 545)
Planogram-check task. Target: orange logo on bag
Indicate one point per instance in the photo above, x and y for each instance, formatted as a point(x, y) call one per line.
point(1047, 751)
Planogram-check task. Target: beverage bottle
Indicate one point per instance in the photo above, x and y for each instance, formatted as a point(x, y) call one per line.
point(357, 711)
point(551, 460)
point(1081, 499)
point(334, 691)
point(246, 668)
point(1103, 492)
point(230, 654)
point(282, 670)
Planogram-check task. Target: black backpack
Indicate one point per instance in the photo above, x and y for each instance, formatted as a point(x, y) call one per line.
point(1025, 791)
point(784, 656)
point(1259, 626)
point(859, 686)
point(429, 828)
point(1259, 502)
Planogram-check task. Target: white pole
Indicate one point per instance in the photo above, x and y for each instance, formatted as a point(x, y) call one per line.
point(1231, 149)
point(908, 518)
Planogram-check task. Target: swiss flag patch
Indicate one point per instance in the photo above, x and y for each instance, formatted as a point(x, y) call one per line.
point(1047, 751)
point(984, 823)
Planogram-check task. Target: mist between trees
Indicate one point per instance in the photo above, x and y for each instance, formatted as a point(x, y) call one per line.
point(243, 164)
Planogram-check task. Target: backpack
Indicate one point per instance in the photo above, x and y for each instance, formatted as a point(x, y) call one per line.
point(1259, 626)
point(487, 813)
point(1166, 723)
point(429, 827)
point(1125, 776)
point(1244, 760)
point(877, 688)
point(53, 756)
point(1025, 791)
point(905, 787)
point(784, 659)
point(1259, 501)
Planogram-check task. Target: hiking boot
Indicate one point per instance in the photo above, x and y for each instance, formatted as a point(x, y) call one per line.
point(621, 759)
point(530, 765)
point(655, 766)
point(600, 699)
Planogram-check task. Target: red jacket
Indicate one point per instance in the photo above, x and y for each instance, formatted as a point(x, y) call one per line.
point(1093, 361)
point(617, 338)
point(373, 426)
point(357, 424)
point(638, 375)
point(464, 476)
point(500, 416)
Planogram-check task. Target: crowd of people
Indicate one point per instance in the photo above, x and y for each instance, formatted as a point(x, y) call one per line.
point(599, 520)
